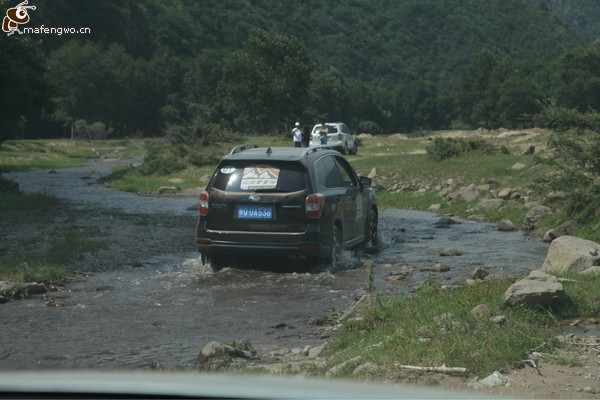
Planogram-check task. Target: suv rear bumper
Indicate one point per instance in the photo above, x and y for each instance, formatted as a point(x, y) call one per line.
point(241, 250)
point(259, 244)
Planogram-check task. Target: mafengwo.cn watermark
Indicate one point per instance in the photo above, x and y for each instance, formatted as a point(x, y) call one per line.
point(44, 30)
point(19, 15)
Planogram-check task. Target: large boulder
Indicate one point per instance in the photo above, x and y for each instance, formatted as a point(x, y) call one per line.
point(467, 193)
point(534, 216)
point(538, 288)
point(565, 229)
point(568, 253)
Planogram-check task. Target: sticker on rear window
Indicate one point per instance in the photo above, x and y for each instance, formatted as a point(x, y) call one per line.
point(259, 177)
point(227, 170)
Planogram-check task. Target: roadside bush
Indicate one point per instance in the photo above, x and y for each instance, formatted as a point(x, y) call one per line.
point(96, 130)
point(444, 148)
point(369, 127)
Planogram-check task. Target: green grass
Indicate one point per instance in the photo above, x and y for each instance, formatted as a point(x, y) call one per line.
point(435, 328)
point(69, 243)
point(30, 201)
point(26, 155)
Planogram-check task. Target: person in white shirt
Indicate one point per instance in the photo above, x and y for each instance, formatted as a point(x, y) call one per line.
point(297, 134)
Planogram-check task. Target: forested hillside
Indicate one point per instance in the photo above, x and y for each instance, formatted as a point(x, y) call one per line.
point(188, 68)
point(582, 16)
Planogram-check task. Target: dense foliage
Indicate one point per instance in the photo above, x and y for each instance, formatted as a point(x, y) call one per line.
point(154, 67)
point(581, 16)
point(576, 158)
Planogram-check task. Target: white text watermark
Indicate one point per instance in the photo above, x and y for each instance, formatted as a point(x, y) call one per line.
point(45, 30)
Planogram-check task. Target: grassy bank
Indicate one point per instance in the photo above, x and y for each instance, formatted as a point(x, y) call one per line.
point(435, 327)
point(25, 155)
point(53, 252)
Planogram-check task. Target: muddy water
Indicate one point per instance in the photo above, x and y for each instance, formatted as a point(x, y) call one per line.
point(170, 306)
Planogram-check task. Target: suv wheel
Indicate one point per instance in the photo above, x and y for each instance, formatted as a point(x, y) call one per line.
point(371, 229)
point(217, 263)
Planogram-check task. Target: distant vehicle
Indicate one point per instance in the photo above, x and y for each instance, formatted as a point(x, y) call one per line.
point(284, 202)
point(338, 137)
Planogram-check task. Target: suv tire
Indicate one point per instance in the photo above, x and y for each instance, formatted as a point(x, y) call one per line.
point(371, 229)
point(217, 263)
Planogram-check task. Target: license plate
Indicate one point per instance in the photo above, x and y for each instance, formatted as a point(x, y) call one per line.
point(255, 212)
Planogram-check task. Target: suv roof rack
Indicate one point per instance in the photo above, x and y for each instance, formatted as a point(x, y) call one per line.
point(312, 149)
point(243, 147)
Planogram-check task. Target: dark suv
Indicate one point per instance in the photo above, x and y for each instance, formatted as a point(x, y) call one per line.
point(284, 202)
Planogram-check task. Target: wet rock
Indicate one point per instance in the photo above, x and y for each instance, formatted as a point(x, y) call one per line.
point(282, 325)
point(537, 289)
point(534, 216)
point(164, 189)
point(440, 267)
point(568, 253)
point(35, 288)
point(506, 226)
point(445, 222)
point(221, 353)
point(565, 229)
point(398, 276)
point(479, 274)
point(448, 252)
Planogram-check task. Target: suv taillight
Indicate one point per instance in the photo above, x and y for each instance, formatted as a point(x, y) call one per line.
point(203, 204)
point(314, 205)
point(340, 136)
point(311, 136)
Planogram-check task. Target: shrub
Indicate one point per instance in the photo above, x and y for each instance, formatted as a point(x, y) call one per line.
point(369, 127)
point(444, 148)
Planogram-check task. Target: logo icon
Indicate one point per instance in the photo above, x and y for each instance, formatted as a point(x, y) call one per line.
point(16, 16)
point(254, 198)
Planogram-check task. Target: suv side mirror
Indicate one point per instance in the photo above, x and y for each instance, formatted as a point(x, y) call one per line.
point(365, 181)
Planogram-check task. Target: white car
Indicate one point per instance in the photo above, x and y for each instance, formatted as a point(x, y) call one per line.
point(338, 137)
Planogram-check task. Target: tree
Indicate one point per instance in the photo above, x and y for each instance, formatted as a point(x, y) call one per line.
point(264, 84)
point(478, 91)
point(575, 142)
point(579, 78)
point(91, 83)
point(22, 79)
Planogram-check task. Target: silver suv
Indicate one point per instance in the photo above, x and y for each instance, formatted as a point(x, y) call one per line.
point(338, 137)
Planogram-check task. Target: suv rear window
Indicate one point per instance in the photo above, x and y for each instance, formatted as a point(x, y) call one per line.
point(256, 176)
